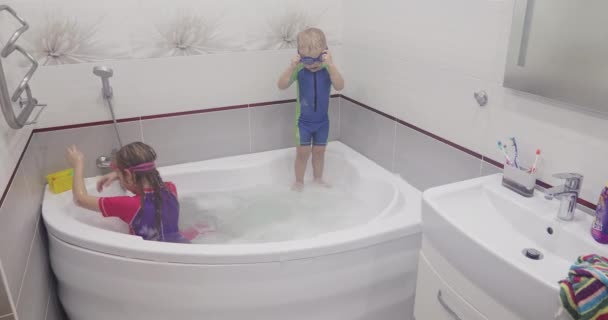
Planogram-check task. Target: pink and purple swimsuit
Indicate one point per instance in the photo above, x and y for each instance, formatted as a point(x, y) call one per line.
point(141, 215)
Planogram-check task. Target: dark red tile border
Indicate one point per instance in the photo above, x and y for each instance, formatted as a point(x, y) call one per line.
point(543, 184)
point(268, 103)
point(185, 113)
point(494, 162)
point(587, 204)
point(448, 142)
point(86, 124)
point(413, 127)
point(386, 115)
point(10, 181)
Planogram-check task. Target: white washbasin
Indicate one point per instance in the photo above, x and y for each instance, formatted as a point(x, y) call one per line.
point(482, 229)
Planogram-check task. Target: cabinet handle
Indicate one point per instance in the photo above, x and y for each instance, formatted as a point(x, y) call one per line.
point(446, 307)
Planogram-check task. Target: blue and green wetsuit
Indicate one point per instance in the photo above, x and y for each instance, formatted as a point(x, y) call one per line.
point(312, 119)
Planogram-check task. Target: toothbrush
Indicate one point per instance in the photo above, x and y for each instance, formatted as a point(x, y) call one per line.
point(515, 151)
point(506, 151)
point(533, 169)
point(501, 147)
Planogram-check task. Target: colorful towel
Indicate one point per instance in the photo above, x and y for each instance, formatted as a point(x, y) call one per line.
point(584, 294)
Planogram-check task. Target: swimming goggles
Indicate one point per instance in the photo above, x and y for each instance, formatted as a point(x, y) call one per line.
point(311, 60)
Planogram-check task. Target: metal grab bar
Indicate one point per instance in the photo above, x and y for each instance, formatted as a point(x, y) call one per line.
point(28, 104)
point(10, 45)
point(26, 79)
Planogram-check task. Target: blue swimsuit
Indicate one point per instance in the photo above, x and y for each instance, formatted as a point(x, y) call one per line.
point(312, 119)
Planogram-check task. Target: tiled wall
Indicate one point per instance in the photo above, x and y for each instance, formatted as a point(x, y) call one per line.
point(421, 160)
point(246, 45)
point(24, 252)
point(6, 307)
point(12, 142)
point(193, 136)
point(422, 60)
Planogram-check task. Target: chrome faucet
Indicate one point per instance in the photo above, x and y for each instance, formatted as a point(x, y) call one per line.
point(566, 193)
point(105, 162)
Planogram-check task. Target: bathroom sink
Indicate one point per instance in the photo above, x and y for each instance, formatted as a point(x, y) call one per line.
point(483, 229)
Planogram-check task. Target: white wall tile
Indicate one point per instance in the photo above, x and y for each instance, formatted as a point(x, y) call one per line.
point(18, 219)
point(54, 310)
point(458, 35)
point(425, 162)
point(371, 134)
point(570, 141)
point(6, 305)
point(12, 143)
point(119, 31)
point(156, 86)
point(33, 300)
point(437, 100)
point(421, 61)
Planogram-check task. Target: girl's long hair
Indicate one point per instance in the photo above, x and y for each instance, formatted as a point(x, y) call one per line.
point(138, 153)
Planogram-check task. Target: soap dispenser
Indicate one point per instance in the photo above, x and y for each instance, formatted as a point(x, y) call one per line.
point(599, 228)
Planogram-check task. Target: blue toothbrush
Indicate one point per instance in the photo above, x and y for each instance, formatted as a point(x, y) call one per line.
point(515, 152)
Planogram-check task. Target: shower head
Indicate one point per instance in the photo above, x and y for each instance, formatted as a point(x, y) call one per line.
point(105, 74)
point(103, 71)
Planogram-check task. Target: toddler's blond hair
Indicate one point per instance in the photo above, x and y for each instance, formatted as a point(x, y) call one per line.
point(311, 40)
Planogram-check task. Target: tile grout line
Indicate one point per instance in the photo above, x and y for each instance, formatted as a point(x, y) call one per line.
point(481, 166)
point(250, 133)
point(141, 130)
point(341, 96)
point(4, 194)
point(4, 279)
point(29, 255)
point(393, 162)
point(48, 303)
point(339, 117)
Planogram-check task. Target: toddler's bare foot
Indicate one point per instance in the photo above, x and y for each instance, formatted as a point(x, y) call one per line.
point(322, 183)
point(297, 186)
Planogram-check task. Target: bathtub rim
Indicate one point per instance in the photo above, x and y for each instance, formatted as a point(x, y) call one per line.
point(405, 221)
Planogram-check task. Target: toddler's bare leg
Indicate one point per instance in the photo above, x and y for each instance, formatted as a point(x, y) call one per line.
point(318, 163)
point(302, 155)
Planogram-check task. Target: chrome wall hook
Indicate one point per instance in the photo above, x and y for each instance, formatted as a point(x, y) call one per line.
point(481, 97)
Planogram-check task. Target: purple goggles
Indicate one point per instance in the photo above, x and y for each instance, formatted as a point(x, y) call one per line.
point(311, 60)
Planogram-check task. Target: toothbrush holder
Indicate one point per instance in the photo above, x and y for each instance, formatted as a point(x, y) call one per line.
point(519, 180)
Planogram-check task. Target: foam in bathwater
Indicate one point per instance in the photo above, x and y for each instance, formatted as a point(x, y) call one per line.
point(271, 213)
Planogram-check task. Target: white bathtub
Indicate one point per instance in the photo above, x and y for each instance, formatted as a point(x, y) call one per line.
point(367, 271)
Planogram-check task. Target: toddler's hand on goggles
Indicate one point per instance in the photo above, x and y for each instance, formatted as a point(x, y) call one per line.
point(327, 58)
point(295, 60)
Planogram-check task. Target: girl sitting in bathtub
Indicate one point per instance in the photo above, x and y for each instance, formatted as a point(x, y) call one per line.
point(152, 213)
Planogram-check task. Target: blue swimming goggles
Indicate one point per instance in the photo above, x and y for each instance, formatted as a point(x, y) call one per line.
point(311, 60)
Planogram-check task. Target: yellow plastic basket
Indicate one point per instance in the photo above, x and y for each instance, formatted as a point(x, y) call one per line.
point(60, 181)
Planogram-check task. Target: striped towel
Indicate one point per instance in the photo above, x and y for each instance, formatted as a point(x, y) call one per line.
point(584, 294)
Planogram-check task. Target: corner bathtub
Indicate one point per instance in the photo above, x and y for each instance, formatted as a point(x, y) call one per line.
point(363, 271)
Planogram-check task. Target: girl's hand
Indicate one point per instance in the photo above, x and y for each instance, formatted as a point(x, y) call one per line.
point(74, 156)
point(106, 181)
point(327, 58)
